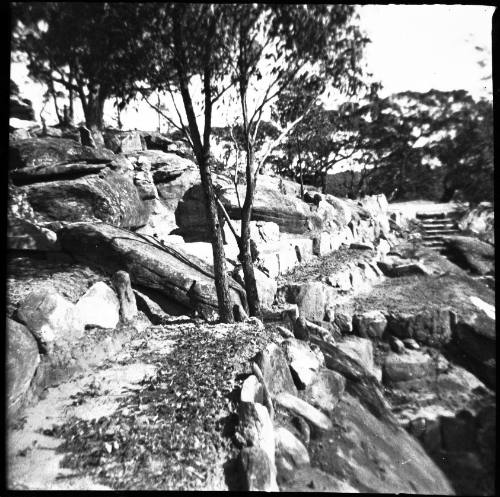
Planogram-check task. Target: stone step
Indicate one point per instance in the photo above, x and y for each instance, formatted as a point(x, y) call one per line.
point(441, 230)
point(432, 215)
point(438, 222)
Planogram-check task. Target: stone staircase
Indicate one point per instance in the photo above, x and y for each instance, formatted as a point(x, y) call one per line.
point(436, 227)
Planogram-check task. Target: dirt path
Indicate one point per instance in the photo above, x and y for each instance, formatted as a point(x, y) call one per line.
point(157, 415)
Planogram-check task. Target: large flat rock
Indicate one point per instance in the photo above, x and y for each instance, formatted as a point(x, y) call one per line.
point(109, 197)
point(167, 270)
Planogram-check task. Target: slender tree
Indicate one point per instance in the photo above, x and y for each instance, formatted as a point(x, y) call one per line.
point(277, 46)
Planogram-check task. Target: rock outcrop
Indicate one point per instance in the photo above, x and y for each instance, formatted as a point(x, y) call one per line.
point(166, 270)
point(48, 151)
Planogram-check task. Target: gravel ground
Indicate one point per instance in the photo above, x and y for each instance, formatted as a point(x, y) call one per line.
point(171, 431)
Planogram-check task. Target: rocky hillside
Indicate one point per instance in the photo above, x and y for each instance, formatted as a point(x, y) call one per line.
point(373, 371)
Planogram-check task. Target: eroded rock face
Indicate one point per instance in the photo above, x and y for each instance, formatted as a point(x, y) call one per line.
point(51, 318)
point(25, 235)
point(475, 336)
point(99, 306)
point(122, 141)
point(258, 471)
point(126, 297)
point(326, 390)
point(405, 367)
point(168, 270)
point(471, 253)
point(428, 326)
point(315, 418)
point(370, 324)
point(22, 361)
point(272, 363)
point(109, 197)
point(49, 151)
point(480, 221)
point(359, 445)
point(290, 452)
point(312, 298)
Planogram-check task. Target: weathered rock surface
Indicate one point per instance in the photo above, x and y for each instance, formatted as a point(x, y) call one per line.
point(266, 287)
point(313, 416)
point(25, 235)
point(369, 324)
point(122, 141)
point(429, 326)
point(167, 270)
point(326, 390)
point(304, 362)
point(109, 197)
point(259, 474)
point(22, 361)
point(371, 455)
point(471, 253)
point(126, 297)
point(405, 367)
point(99, 306)
point(36, 174)
point(290, 213)
point(312, 298)
point(256, 428)
point(51, 318)
point(272, 363)
point(251, 390)
point(475, 336)
point(480, 222)
point(49, 151)
point(290, 452)
point(360, 349)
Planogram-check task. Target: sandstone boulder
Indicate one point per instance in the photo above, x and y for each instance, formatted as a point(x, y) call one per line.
point(313, 416)
point(166, 270)
point(471, 253)
point(475, 336)
point(360, 349)
point(22, 361)
point(37, 174)
point(109, 197)
point(272, 363)
point(51, 318)
point(251, 390)
point(126, 297)
point(326, 389)
point(405, 367)
point(256, 428)
point(122, 141)
point(290, 452)
point(290, 213)
point(312, 298)
point(99, 306)
point(369, 324)
point(304, 362)
point(429, 326)
point(480, 222)
point(49, 151)
point(25, 235)
point(259, 473)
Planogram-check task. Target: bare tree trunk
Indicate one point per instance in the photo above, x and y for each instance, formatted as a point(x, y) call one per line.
point(202, 153)
point(245, 251)
point(246, 212)
point(52, 90)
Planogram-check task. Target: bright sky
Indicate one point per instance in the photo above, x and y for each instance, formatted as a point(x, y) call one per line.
point(420, 47)
point(414, 47)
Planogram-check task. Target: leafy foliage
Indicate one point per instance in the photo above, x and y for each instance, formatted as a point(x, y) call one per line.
point(91, 48)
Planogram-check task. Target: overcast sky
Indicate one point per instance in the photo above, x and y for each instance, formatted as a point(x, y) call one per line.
point(414, 47)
